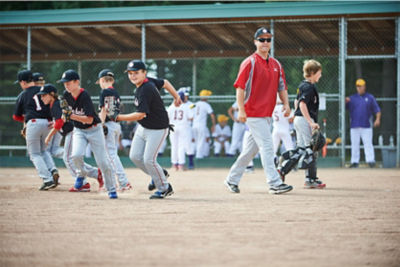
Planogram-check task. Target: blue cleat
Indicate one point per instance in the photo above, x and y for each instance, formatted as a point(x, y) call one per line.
point(78, 182)
point(112, 195)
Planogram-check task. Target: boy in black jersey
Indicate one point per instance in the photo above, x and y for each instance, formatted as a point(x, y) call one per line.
point(306, 118)
point(87, 129)
point(48, 94)
point(36, 116)
point(153, 125)
point(109, 98)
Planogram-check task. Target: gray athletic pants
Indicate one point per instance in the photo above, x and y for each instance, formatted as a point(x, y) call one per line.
point(36, 132)
point(87, 170)
point(303, 136)
point(259, 140)
point(144, 150)
point(95, 137)
point(112, 142)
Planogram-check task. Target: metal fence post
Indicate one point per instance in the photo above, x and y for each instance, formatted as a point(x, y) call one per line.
point(273, 39)
point(398, 90)
point(143, 42)
point(342, 84)
point(28, 48)
point(80, 68)
point(194, 77)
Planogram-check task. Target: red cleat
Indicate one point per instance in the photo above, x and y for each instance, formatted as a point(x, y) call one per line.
point(84, 188)
point(100, 180)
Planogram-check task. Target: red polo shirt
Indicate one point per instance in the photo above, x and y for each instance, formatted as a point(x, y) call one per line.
point(261, 79)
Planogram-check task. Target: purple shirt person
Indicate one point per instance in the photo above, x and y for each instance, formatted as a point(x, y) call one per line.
point(362, 106)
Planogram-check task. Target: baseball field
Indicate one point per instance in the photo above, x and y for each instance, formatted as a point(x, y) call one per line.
point(355, 221)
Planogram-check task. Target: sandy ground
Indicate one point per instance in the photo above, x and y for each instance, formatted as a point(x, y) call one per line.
point(355, 221)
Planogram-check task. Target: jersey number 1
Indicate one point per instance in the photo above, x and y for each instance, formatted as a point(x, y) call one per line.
point(36, 98)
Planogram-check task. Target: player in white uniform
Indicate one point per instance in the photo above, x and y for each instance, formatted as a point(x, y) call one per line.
point(222, 135)
point(238, 130)
point(180, 138)
point(202, 110)
point(190, 147)
point(281, 128)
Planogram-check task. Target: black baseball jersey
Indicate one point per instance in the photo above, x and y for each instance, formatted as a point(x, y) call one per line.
point(82, 106)
point(109, 98)
point(30, 105)
point(159, 83)
point(56, 113)
point(148, 100)
point(307, 92)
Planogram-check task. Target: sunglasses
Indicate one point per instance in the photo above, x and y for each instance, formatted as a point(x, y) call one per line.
point(262, 40)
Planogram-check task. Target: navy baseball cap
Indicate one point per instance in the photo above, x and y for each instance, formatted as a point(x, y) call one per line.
point(261, 31)
point(104, 73)
point(38, 77)
point(24, 75)
point(182, 95)
point(47, 89)
point(135, 65)
point(69, 75)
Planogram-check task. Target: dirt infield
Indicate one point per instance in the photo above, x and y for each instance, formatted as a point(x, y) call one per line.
point(355, 221)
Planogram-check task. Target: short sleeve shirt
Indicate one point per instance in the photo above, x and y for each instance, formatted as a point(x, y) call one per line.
point(148, 100)
point(307, 93)
point(362, 108)
point(180, 116)
point(261, 79)
point(82, 106)
point(30, 105)
point(158, 83)
point(201, 110)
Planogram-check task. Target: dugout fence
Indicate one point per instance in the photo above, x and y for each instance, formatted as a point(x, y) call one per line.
point(206, 55)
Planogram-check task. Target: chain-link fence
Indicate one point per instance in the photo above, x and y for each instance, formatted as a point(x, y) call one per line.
point(207, 55)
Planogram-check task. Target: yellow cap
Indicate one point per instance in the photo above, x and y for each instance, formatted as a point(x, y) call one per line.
point(222, 118)
point(360, 82)
point(205, 92)
point(338, 141)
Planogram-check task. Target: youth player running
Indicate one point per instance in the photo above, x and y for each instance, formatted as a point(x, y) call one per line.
point(88, 129)
point(30, 110)
point(48, 94)
point(109, 98)
point(153, 125)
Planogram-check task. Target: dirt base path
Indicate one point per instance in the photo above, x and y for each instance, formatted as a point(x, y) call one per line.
point(355, 221)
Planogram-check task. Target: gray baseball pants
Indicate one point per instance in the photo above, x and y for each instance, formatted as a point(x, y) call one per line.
point(88, 170)
point(259, 140)
point(112, 142)
point(36, 132)
point(95, 137)
point(144, 150)
point(303, 136)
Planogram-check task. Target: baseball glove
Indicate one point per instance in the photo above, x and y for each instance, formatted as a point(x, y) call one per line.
point(23, 132)
point(66, 109)
point(113, 113)
point(317, 140)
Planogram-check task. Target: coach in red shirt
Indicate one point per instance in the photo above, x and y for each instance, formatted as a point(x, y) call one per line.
point(259, 79)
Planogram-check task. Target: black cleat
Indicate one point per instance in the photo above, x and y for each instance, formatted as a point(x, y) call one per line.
point(280, 189)
point(160, 195)
point(232, 187)
point(47, 186)
point(152, 186)
point(354, 165)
